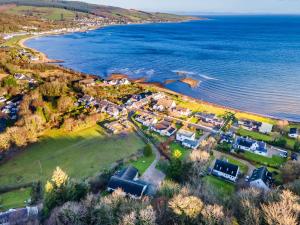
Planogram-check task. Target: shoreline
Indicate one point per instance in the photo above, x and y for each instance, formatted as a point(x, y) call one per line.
point(160, 86)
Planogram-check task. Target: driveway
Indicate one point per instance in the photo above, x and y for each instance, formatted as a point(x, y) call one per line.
point(151, 175)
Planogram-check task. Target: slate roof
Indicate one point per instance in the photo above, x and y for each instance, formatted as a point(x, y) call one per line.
point(244, 142)
point(193, 143)
point(124, 180)
point(263, 174)
point(293, 131)
point(226, 167)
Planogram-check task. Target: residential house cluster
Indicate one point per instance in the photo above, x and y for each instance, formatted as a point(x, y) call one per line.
point(187, 138)
point(86, 101)
point(252, 125)
point(110, 108)
point(118, 126)
point(127, 180)
point(140, 100)
point(25, 78)
point(164, 128)
point(180, 112)
point(30, 56)
point(248, 144)
point(209, 118)
point(146, 120)
point(164, 104)
point(11, 108)
point(114, 82)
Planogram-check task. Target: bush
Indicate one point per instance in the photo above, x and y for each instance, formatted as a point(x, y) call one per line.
point(148, 150)
point(280, 142)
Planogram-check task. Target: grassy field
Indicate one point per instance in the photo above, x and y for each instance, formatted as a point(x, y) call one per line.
point(81, 154)
point(254, 135)
point(14, 199)
point(143, 163)
point(223, 188)
point(44, 12)
point(275, 161)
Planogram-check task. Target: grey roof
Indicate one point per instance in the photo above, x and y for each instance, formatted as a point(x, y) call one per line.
point(263, 174)
point(131, 187)
point(193, 143)
point(17, 216)
point(125, 181)
point(226, 167)
point(246, 142)
point(129, 173)
point(293, 131)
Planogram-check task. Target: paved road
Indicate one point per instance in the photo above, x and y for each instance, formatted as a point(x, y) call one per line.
point(219, 155)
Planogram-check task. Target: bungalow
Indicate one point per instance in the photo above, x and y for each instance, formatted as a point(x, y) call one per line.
point(164, 128)
point(164, 104)
point(146, 120)
point(20, 76)
point(180, 111)
point(294, 133)
point(139, 104)
point(265, 128)
point(225, 170)
point(128, 181)
point(261, 178)
point(227, 138)
point(112, 82)
point(249, 125)
point(87, 100)
point(183, 134)
point(247, 144)
point(138, 97)
point(209, 118)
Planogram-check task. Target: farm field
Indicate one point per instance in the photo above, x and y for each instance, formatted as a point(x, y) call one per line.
point(81, 154)
point(43, 12)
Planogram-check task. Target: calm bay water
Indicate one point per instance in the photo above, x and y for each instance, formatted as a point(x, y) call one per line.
point(247, 62)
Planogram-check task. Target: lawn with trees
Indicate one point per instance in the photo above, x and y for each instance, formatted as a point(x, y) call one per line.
point(81, 153)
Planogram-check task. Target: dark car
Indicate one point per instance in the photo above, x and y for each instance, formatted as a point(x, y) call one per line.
point(294, 156)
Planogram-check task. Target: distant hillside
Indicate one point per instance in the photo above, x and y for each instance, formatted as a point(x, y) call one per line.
point(99, 10)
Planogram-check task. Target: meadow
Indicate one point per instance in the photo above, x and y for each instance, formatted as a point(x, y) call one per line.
point(81, 154)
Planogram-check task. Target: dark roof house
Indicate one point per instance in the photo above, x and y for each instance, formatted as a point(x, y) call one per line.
point(225, 170)
point(261, 178)
point(127, 180)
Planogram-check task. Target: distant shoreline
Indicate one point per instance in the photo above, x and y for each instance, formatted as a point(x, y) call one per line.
point(160, 86)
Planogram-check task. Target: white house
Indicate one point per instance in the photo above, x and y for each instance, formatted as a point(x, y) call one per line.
point(261, 178)
point(265, 128)
point(225, 170)
point(193, 144)
point(182, 135)
point(164, 103)
point(247, 144)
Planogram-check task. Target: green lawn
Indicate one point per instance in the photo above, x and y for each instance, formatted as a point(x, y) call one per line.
point(224, 189)
point(254, 135)
point(81, 154)
point(177, 146)
point(143, 163)
point(14, 199)
point(275, 161)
